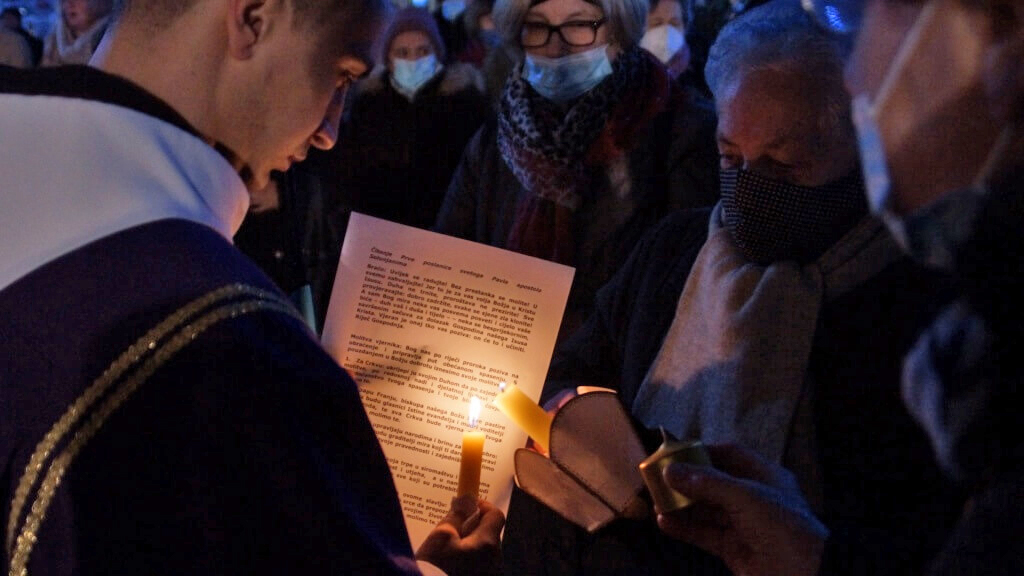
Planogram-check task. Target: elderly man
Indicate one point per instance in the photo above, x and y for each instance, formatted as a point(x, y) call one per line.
point(938, 95)
point(163, 410)
point(760, 324)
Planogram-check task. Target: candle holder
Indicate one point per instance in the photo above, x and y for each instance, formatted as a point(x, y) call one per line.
point(590, 475)
point(652, 469)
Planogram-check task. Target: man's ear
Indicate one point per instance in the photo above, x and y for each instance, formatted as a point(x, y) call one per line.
point(246, 22)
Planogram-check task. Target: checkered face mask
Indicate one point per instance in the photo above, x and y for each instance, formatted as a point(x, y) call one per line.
point(773, 221)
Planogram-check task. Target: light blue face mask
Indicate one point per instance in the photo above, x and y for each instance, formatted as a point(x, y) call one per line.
point(490, 38)
point(936, 69)
point(409, 75)
point(568, 77)
point(933, 234)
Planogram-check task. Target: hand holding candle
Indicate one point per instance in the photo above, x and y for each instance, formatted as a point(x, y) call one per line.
point(525, 413)
point(472, 453)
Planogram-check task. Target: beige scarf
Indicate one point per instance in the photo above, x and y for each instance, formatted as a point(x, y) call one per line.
point(733, 366)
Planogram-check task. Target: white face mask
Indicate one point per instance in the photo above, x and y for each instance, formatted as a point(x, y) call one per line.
point(568, 77)
point(409, 75)
point(928, 133)
point(663, 41)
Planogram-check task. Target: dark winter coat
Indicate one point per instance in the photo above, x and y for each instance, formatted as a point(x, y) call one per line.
point(395, 157)
point(884, 497)
point(674, 166)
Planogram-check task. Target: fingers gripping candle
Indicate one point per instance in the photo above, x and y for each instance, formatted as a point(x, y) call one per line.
point(525, 413)
point(472, 453)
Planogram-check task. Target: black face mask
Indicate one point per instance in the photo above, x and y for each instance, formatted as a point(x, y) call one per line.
point(772, 221)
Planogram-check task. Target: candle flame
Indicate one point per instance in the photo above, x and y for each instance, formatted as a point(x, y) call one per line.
point(501, 387)
point(474, 411)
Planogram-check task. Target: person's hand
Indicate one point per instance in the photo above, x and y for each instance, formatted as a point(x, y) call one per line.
point(747, 511)
point(467, 542)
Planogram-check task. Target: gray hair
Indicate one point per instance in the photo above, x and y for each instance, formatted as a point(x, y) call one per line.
point(627, 19)
point(780, 37)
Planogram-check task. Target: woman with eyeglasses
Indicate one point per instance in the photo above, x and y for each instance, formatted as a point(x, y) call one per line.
point(592, 144)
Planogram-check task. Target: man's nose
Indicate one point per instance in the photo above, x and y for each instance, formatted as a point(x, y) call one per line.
point(326, 135)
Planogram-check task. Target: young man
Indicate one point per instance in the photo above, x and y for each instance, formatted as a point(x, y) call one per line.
point(162, 408)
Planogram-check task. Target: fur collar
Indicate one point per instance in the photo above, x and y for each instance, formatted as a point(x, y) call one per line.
point(455, 77)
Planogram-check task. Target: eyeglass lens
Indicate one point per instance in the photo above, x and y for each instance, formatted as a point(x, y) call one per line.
point(576, 33)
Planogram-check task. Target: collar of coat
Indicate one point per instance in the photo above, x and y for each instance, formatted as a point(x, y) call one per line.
point(80, 167)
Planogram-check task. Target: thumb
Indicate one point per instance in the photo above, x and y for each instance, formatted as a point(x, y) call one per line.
point(710, 486)
point(463, 508)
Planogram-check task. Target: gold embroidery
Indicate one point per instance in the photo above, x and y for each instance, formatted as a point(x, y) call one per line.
point(129, 358)
point(149, 348)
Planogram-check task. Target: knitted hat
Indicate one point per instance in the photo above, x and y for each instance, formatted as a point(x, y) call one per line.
point(413, 19)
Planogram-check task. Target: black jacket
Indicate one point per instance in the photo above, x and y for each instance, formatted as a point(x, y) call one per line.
point(880, 485)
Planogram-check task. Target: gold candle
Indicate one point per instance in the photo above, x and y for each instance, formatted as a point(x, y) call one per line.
point(525, 413)
point(472, 453)
point(690, 452)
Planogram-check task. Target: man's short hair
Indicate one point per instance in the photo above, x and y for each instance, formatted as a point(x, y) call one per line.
point(162, 12)
point(357, 21)
point(627, 19)
point(780, 37)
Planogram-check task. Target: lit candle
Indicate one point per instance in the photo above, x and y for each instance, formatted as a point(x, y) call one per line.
point(525, 413)
point(472, 453)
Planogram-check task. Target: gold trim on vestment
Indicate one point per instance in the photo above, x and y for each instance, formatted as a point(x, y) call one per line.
point(153, 350)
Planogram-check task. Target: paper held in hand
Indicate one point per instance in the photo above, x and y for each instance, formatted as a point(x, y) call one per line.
point(423, 322)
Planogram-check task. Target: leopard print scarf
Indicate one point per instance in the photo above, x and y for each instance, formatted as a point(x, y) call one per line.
point(546, 145)
point(553, 152)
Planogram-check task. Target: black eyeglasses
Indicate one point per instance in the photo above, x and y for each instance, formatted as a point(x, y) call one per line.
point(837, 16)
point(573, 33)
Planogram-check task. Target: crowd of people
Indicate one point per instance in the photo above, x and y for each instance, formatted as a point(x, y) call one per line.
point(77, 29)
point(793, 235)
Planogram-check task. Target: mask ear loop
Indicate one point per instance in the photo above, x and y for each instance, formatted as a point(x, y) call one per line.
point(906, 50)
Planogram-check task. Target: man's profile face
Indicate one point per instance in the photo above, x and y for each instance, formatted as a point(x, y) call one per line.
point(289, 93)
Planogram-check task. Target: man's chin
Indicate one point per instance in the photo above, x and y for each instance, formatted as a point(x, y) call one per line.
point(254, 180)
point(256, 185)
